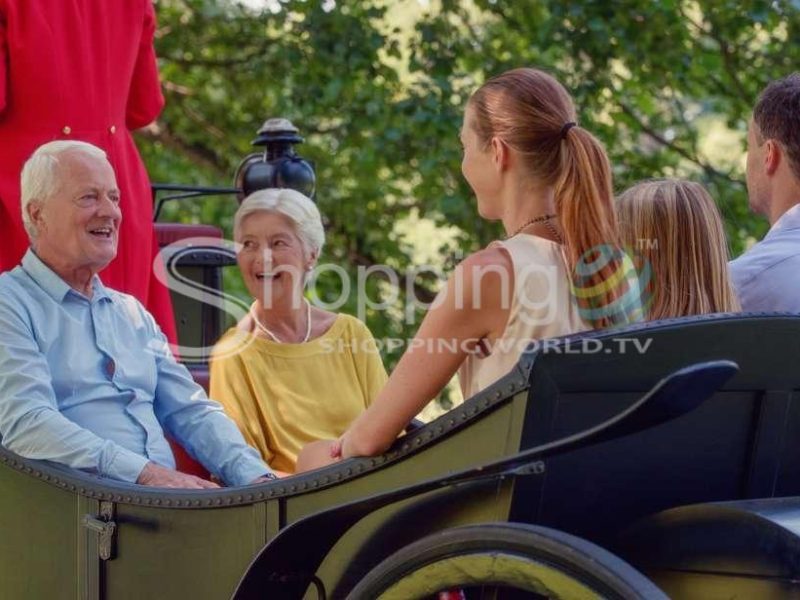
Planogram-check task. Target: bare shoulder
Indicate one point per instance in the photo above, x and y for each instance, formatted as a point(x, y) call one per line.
point(489, 266)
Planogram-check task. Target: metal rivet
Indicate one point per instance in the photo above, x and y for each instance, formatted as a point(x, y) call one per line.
point(66, 130)
point(112, 130)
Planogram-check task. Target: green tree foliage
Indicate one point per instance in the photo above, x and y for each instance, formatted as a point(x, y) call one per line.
point(379, 99)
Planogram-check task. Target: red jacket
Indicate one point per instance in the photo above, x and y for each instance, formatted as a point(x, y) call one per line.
point(84, 70)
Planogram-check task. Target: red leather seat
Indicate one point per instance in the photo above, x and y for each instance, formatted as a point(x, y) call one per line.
point(169, 233)
point(183, 462)
point(166, 234)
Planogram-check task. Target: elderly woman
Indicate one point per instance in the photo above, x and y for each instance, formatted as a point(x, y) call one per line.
point(290, 373)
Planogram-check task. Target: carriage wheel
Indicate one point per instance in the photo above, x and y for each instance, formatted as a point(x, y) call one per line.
point(505, 560)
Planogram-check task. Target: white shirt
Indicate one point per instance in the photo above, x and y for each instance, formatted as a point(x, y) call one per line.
point(542, 306)
point(767, 277)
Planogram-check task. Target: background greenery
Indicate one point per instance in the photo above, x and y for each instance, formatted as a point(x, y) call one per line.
point(378, 88)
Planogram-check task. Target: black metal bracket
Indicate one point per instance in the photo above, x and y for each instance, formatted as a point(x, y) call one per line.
point(187, 191)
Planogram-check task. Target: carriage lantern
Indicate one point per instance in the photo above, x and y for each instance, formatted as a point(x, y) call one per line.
point(278, 165)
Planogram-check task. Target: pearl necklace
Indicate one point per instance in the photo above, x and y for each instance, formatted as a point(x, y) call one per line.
point(546, 218)
point(275, 337)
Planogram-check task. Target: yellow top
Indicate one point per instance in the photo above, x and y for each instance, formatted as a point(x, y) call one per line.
point(283, 396)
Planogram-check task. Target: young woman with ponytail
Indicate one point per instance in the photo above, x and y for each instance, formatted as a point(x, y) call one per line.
point(558, 271)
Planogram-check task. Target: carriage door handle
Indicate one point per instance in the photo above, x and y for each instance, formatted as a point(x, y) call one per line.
point(105, 528)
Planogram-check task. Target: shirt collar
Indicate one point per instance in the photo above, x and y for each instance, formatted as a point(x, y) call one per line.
point(51, 283)
point(788, 220)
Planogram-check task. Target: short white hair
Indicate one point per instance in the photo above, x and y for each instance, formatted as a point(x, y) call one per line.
point(293, 205)
point(39, 178)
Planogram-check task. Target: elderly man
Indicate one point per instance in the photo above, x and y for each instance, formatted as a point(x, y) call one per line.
point(767, 277)
point(86, 377)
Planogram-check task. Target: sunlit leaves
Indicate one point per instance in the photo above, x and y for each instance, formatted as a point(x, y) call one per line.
point(380, 102)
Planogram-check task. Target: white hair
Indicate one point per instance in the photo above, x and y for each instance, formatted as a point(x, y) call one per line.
point(296, 207)
point(39, 178)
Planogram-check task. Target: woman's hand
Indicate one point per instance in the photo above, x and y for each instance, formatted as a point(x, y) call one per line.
point(318, 454)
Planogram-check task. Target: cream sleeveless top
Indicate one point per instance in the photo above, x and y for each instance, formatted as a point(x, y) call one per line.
point(541, 307)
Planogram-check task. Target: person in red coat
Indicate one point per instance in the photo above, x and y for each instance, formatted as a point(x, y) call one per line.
point(83, 70)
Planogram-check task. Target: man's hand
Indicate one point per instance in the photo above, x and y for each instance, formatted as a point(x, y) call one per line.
point(157, 476)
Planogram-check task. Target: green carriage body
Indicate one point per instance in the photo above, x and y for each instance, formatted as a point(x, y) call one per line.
point(328, 530)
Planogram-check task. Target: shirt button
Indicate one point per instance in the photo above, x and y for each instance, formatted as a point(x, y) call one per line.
point(67, 130)
point(111, 367)
point(112, 130)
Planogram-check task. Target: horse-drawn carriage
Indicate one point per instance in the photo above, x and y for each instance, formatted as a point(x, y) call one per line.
point(500, 493)
point(630, 463)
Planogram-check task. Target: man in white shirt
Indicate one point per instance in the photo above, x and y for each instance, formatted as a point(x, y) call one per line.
point(767, 277)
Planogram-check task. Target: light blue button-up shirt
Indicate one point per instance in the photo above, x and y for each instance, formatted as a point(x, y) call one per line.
point(91, 383)
point(767, 277)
